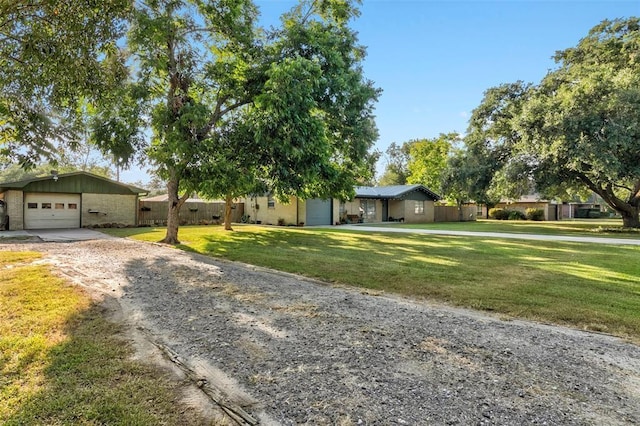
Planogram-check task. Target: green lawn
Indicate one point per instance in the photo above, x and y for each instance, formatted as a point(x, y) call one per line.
point(590, 286)
point(575, 227)
point(62, 363)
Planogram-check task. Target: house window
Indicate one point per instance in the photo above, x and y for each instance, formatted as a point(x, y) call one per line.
point(368, 209)
point(271, 203)
point(72, 206)
point(59, 206)
point(46, 205)
point(32, 205)
point(419, 207)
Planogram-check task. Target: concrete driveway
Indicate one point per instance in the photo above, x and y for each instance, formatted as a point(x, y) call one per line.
point(57, 235)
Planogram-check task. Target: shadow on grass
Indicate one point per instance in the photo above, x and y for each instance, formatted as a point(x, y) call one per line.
point(529, 279)
point(90, 379)
point(584, 285)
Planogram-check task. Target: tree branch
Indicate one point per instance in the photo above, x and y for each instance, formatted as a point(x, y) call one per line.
point(233, 106)
point(623, 187)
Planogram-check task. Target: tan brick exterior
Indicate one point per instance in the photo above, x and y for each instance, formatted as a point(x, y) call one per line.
point(410, 215)
point(15, 205)
point(99, 209)
point(295, 211)
point(258, 210)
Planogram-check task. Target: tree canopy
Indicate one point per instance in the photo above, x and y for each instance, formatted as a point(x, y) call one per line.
point(419, 161)
point(54, 55)
point(428, 160)
point(578, 128)
point(235, 108)
point(581, 124)
point(397, 159)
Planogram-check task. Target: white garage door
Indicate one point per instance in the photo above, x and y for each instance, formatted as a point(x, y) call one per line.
point(51, 211)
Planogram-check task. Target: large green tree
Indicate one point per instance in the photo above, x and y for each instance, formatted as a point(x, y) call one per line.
point(581, 124)
point(489, 146)
point(577, 130)
point(428, 159)
point(228, 167)
point(397, 159)
point(54, 56)
point(309, 127)
point(234, 106)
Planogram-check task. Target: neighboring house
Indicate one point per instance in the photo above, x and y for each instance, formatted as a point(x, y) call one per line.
point(408, 203)
point(553, 210)
point(70, 200)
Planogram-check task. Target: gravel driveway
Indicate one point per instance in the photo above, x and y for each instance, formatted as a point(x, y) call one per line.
point(288, 350)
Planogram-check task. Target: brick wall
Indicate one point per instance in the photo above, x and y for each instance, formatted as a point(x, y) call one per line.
point(15, 205)
point(270, 215)
point(108, 208)
point(427, 216)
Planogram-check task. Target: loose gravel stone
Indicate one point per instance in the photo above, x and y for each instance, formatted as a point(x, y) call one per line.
point(294, 351)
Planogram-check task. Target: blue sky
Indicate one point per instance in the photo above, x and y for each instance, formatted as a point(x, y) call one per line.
point(434, 59)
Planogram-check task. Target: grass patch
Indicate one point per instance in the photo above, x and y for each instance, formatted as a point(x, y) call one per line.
point(574, 227)
point(61, 362)
point(590, 286)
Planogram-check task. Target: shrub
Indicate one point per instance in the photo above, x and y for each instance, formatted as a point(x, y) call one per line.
point(535, 214)
point(498, 214)
point(516, 215)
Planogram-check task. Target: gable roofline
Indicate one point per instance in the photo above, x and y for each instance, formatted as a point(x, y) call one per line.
point(22, 183)
point(393, 191)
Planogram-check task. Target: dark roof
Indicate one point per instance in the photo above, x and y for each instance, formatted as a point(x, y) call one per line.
point(24, 183)
point(393, 191)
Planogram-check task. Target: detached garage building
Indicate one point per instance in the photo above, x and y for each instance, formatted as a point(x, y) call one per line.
point(70, 200)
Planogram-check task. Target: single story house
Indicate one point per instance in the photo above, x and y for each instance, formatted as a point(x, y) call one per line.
point(407, 203)
point(69, 200)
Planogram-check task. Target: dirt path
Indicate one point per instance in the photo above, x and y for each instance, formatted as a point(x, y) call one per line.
point(287, 350)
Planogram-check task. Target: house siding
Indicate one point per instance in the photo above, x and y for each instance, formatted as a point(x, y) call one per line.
point(15, 209)
point(401, 205)
point(396, 209)
point(108, 208)
point(77, 184)
point(411, 217)
point(258, 209)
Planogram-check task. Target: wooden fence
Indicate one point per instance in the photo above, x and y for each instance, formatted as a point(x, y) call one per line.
point(154, 213)
point(452, 214)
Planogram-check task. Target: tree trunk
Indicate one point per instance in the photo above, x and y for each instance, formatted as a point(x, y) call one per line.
point(173, 218)
point(227, 213)
point(630, 218)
